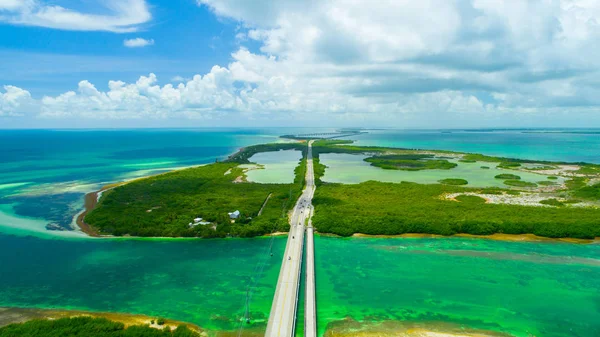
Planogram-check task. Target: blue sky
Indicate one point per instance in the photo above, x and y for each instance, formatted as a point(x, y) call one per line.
point(189, 39)
point(392, 63)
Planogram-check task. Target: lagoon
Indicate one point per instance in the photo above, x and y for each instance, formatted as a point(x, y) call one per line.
point(352, 169)
point(273, 167)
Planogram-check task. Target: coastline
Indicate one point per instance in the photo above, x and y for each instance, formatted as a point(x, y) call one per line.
point(91, 201)
point(10, 315)
point(496, 237)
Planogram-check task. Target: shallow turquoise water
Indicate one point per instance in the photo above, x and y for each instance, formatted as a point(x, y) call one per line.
point(526, 289)
point(45, 173)
point(352, 169)
point(555, 146)
point(542, 289)
point(276, 167)
point(199, 281)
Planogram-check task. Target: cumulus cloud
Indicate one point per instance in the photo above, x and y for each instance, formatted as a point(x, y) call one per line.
point(15, 101)
point(124, 15)
point(137, 42)
point(389, 62)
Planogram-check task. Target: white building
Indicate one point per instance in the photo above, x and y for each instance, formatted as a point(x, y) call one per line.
point(234, 215)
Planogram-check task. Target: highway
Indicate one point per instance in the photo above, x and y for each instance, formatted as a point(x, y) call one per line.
point(282, 319)
point(310, 305)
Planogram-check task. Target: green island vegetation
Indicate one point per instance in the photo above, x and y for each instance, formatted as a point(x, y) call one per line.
point(552, 177)
point(410, 162)
point(379, 208)
point(390, 209)
point(552, 202)
point(454, 181)
point(485, 167)
point(89, 327)
point(509, 165)
point(588, 192)
point(467, 161)
point(575, 183)
point(165, 205)
point(506, 176)
point(519, 183)
point(589, 169)
point(546, 183)
point(541, 167)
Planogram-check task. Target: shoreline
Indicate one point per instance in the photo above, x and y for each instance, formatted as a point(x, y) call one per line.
point(91, 200)
point(495, 237)
point(12, 315)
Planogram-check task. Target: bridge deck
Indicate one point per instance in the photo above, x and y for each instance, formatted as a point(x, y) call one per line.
point(282, 318)
point(310, 305)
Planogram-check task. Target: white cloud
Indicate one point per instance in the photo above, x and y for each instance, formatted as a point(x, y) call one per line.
point(137, 42)
point(15, 101)
point(388, 62)
point(124, 16)
point(13, 5)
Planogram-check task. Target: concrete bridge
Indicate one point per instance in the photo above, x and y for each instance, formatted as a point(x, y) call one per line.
point(282, 319)
point(323, 135)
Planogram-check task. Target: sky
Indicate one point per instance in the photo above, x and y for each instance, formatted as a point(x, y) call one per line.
point(334, 63)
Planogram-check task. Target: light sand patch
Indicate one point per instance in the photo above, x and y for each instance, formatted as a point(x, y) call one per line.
point(560, 170)
point(277, 234)
point(523, 199)
point(239, 179)
point(227, 172)
point(12, 185)
point(56, 188)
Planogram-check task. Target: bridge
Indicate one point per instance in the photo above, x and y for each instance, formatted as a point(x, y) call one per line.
point(324, 135)
point(282, 319)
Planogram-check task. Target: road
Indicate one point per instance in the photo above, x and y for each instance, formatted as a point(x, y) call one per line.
point(310, 305)
point(282, 319)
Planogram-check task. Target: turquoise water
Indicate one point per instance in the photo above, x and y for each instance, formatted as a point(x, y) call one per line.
point(274, 167)
point(199, 281)
point(352, 169)
point(44, 174)
point(547, 289)
point(583, 146)
point(541, 289)
point(526, 289)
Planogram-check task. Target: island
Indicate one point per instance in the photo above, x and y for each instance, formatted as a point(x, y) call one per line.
point(360, 191)
point(52, 322)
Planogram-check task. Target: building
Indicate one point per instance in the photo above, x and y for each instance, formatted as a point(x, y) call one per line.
point(234, 215)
